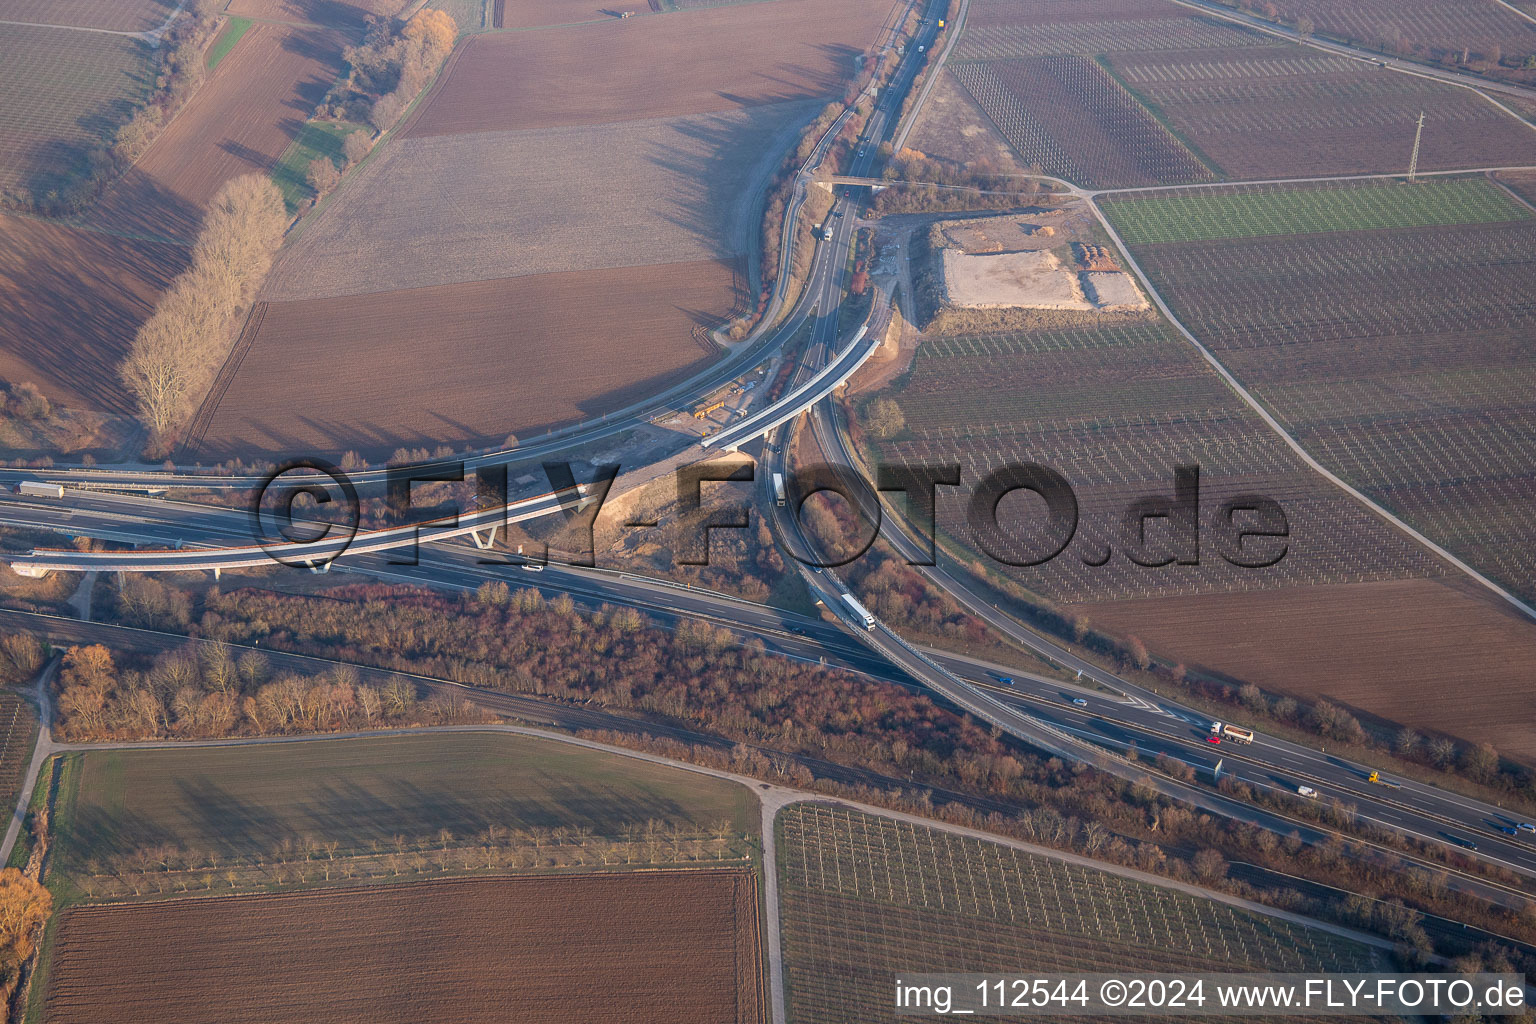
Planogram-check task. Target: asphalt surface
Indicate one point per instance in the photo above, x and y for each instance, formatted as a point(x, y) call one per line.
point(1408, 807)
point(1036, 709)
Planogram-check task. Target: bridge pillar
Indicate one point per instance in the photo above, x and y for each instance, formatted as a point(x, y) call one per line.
point(323, 567)
point(488, 542)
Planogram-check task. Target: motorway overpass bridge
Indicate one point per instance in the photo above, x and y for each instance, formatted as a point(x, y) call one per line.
point(482, 525)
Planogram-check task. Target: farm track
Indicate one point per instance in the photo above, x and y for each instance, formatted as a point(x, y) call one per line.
point(193, 437)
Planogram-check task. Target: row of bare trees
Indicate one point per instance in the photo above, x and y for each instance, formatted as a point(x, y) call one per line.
point(169, 868)
point(210, 692)
point(179, 349)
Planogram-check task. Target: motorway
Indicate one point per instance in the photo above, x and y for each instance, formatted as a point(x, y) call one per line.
point(1414, 809)
point(818, 305)
point(1036, 709)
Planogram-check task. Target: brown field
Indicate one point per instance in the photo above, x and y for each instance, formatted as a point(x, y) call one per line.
point(685, 63)
point(70, 301)
point(531, 13)
point(507, 204)
point(466, 362)
point(1437, 655)
point(116, 15)
point(669, 947)
point(338, 13)
point(241, 120)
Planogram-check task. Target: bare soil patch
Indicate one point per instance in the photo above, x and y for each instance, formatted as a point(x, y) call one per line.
point(70, 301)
point(669, 947)
point(953, 128)
point(1384, 647)
point(241, 120)
point(685, 63)
point(1035, 280)
point(468, 362)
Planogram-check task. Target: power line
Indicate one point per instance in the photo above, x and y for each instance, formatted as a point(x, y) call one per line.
point(1413, 161)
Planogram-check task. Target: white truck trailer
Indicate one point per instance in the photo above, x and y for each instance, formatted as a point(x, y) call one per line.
point(778, 489)
point(860, 613)
point(38, 489)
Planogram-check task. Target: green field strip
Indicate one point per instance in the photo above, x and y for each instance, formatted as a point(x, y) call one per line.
point(1195, 217)
point(239, 800)
point(315, 140)
point(233, 29)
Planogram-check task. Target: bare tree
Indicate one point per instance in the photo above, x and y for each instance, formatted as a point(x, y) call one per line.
point(178, 350)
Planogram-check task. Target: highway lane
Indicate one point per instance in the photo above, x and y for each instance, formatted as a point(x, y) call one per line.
point(819, 302)
point(822, 295)
point(1044, 718)
point(1108, 721)
point(1155, 722)
point(740, 358)
point(1417, 808)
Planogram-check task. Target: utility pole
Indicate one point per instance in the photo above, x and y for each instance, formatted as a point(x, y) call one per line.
point(1413, 161)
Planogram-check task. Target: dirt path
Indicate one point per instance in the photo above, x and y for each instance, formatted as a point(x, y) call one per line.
point(1285, 435)
point(40, 753)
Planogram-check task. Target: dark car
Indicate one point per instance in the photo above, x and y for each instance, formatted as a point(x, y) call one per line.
point(1005, 680)
point(1462, 841)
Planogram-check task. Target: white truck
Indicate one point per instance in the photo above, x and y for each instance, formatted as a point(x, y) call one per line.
point(1306, 791)
point(1227, 731)
point(860, 613)
point(778, 489)
point(38, 489)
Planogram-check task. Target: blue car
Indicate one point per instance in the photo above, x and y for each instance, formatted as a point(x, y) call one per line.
point(1005, 680)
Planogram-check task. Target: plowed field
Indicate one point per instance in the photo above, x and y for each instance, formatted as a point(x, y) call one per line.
point(685, 63)
point(241, 120)
point(531, 13)
point(70, 301)
point(669, 947)
point(339, 13)
point(467, 361)
point(1379, 647)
